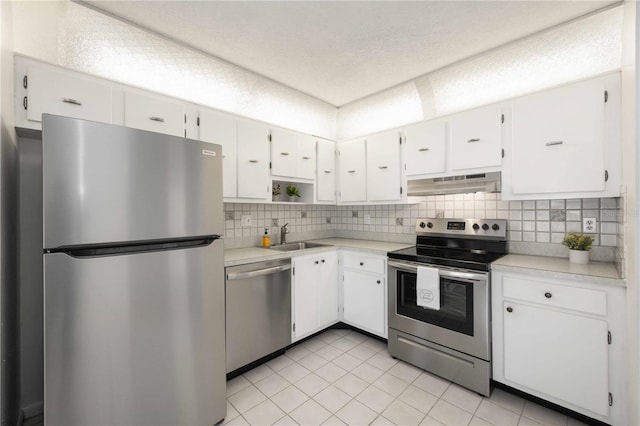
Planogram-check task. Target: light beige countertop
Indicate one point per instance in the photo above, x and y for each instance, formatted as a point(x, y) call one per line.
point(560, 268)
point(233, 257)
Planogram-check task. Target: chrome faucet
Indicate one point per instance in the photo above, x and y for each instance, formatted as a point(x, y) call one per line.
point(283, 233)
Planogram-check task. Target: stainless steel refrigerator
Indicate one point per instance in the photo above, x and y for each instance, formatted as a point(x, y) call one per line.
point(133, 277)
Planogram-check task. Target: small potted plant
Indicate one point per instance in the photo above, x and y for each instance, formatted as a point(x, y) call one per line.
point(579, 246)
point(275, 192)
point(292, 193)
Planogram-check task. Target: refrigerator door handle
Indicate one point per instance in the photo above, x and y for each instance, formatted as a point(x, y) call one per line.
point(121, 249)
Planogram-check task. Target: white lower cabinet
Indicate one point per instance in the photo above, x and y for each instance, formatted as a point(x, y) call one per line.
point(314, 283)
point(561, 341)
point(364, 292)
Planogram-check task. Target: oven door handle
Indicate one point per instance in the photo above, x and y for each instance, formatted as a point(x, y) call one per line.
point(443, 273)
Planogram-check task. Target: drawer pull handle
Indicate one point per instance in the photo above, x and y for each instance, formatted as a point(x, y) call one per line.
point(253, 161)
point(158, 119)
point(284, 153)
point(378, 281)
point(327, 171)
point(306, 158)
point(473, 140)
point(72, 101)
point(547, 295)
point(382, 167)
point(509, 309)
point(351, 171)
point(554, 143)
point(361, 263)
point(423, 150)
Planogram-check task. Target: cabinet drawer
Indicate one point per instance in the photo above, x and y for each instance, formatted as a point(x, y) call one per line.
point(64, 94)
point(364, 263)
point(577, 299)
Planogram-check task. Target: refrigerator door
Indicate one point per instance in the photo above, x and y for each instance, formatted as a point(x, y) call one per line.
point(135, 339)
point(110, 184)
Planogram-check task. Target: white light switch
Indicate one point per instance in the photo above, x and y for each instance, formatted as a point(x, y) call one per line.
point(589, 225)
point(245, 220)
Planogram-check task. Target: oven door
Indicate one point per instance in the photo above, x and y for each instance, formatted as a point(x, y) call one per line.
point(461, 323)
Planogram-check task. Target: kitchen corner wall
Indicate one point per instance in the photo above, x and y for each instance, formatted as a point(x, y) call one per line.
point(534, 227)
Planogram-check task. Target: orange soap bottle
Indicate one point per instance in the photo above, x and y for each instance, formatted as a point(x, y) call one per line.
point(266, 239)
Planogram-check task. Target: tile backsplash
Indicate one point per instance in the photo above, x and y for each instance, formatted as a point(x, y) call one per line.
point(535, 227)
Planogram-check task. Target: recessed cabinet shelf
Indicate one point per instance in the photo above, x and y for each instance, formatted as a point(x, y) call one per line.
point(306, 191)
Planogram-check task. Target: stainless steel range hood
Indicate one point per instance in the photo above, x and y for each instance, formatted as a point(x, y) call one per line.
point(463, 184)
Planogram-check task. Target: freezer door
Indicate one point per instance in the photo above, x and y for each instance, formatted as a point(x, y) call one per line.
point(135, 339)
point(104, 183)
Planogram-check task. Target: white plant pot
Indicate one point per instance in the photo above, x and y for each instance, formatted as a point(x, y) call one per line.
point(293, 199)
point(580, 257)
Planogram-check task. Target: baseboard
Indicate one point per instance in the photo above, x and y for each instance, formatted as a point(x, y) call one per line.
point(32, 410)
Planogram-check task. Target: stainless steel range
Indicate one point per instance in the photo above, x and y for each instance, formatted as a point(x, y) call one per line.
point(451, 338)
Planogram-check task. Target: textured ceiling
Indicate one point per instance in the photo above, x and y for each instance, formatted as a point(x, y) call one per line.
point(343, 51)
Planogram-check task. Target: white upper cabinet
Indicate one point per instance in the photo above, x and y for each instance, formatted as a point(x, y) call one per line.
point(306, 156)
point(383, 167)
point(292, 155)
point(352, 171)
point(476, 138)
point(154, 113)
point(221, 129)
point(65, 93)
point(326, 172)
point(283, 153)
point(253, 160)
point(559, 141)
point(426, 147)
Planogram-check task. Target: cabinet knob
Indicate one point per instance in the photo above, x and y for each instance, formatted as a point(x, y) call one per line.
point(361, 263)
point(378, 281)
point(547, 295)
point(317, 262)
point(509, 309)
point(322, 260)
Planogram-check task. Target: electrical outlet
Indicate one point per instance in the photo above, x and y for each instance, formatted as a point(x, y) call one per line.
point(367, 219)
point(245, 221)
point(589, 225)
point(274, 221)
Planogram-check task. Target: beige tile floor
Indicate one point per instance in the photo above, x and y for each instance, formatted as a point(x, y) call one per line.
point(344, 377)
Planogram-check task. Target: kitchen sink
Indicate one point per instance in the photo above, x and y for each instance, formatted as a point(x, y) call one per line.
point(301, 245)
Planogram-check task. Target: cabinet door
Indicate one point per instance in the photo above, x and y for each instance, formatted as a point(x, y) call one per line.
point(426, 147)
point(220, 129)
point(328, 289)
point(363, 299)
point(383, 167)
point(253, 160)
point(305, 296)
point(476, 138)
point(283, 153)
point(560, 354)
point(154, 114)
point(306, 157)
point(65, 94)
point(326, 175)
point(558, 143)
point(352, 161)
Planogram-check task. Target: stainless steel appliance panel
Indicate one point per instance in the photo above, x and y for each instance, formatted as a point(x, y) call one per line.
point(104, 183)
point(258, 311)
point(476, 344)
point(468, 371)
point(135, 339)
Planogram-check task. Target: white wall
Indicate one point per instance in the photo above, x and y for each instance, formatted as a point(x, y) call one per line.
point(80, 38)
point(9, 340)
point(569, 52)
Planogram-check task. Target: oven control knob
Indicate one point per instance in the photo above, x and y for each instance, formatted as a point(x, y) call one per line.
point(429, 225)
point(476, 227)
point(495, 227)
point(422, 225)
point(485, 227)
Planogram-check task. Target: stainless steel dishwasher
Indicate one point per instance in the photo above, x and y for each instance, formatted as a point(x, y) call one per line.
point(258, 302)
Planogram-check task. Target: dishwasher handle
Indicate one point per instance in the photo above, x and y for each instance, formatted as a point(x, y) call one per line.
point(257, 272)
